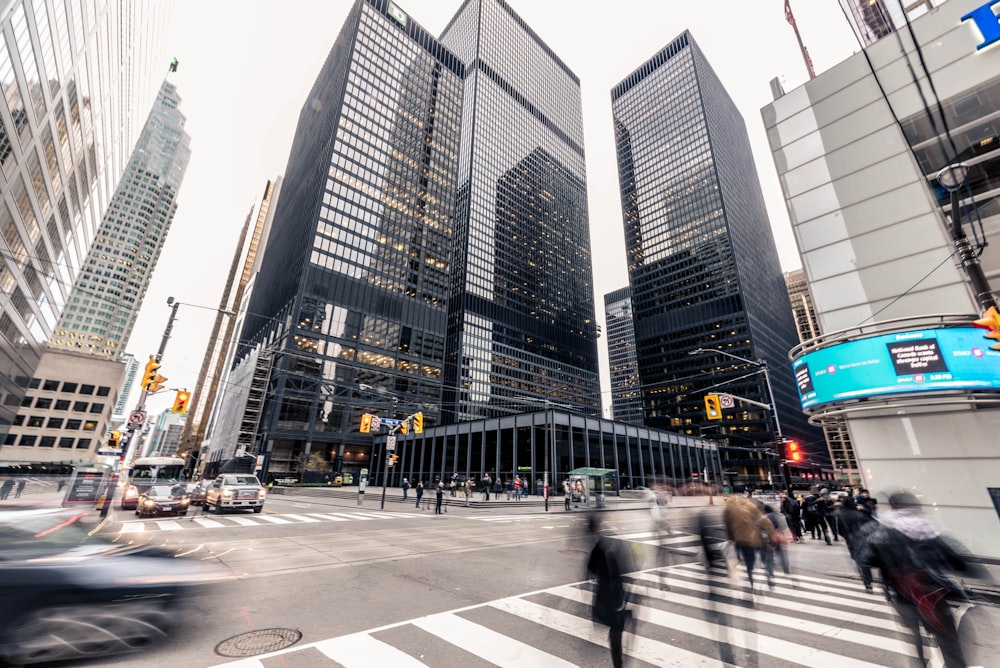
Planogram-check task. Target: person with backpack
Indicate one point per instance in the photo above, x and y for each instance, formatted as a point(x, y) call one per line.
point(791, 508)
point(915, 562)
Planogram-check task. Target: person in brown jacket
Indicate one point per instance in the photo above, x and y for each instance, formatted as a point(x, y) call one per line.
point(748, 528)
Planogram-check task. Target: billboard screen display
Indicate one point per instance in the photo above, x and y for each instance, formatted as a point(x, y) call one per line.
point(927, 360)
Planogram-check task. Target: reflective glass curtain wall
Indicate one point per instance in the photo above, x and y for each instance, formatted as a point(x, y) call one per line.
point(78, 78)
point(521, 327)
point(703, 267)
point(623, 367)
point(354, 279)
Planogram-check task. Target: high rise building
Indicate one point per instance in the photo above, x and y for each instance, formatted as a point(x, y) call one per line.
point(98, 318)
point(122, 407)
point(110, 287)
point(349, 310)
point(221, 344)
point(521, 324)
point(871, 20)
point(702, 263)
point(78, 80)
point(165, 436)
point(623, 367)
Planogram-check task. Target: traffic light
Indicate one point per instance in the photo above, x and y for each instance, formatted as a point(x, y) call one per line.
point(393, 459)
point(792, 452)
point(115, 439)
point(991, 321)
point(418, 423)
point(404, 426)
point(712, 408)
point(366, 423)
point(181, 402)
point(151, 380)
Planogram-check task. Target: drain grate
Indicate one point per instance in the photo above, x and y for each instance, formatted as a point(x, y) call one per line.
point(258, 642)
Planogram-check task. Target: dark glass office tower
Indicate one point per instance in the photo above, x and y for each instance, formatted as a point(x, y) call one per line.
point(623, 367)
point(521, 327)
point(348, 313)
point(702, 263)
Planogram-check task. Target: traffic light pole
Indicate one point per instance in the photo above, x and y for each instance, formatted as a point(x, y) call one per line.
point(135, 428)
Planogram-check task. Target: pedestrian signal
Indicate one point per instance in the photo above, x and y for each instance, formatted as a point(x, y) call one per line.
point(991, 321)
point(115, 439)
point(712, 408)
point(366, 423)
point(393, 459)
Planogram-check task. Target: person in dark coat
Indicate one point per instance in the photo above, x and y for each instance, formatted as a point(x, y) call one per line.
point(608, 563)
point(856, 526)
point(440, 497)
point(420, 491)
point(915, 562)
point(8, 485)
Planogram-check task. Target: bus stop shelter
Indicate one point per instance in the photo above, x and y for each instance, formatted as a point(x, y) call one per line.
point(598, 481)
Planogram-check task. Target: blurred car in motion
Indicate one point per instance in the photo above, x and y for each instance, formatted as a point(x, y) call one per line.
point(163, 500)
point(196, 492)
point(69, 595)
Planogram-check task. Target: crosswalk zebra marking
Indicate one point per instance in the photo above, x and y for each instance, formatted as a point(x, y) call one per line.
point(244, 521)
point(330, 518)
point(273, 519)
point(866, 639)
point(645, 649)
point(169, 525)
point(300, 518)
point(207, 523)
point(472, 637)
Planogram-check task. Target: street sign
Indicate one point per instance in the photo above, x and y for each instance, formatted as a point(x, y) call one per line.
point(390, 442)
point(389, 422)
point(376, 422)
point(136, 418)
point(726, 400)
point(109, 453)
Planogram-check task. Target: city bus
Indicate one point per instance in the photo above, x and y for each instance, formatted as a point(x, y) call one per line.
point(147, 471)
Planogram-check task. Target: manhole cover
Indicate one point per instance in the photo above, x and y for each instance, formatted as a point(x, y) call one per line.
point(258, 642)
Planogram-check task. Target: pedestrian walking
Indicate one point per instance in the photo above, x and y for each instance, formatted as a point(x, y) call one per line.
point(406, 488)
point(608, 563)
point(856, 527)
point(517, 488)
point(420, 491)
point(439, 492)
point(468, 491)
point(779, 549)
point(567, 493)
point(747, 528)
point(866, 503)
point(791, 508)
point(915, 562)
point(20, 488)
point(815, 514)
point(5, 489)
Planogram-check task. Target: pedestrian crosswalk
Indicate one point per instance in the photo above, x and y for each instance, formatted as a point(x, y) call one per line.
point(681, 616)
point(255, 520)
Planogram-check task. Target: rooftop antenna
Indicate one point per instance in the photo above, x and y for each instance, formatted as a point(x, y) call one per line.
point(802, 47)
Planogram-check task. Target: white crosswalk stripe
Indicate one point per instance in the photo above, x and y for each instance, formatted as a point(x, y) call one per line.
point(256, 520)
point(701, 620)
point(511, 518)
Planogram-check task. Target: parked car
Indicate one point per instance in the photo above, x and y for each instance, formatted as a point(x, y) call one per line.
point(70, 595)
point(163, 500)
point(235, 490)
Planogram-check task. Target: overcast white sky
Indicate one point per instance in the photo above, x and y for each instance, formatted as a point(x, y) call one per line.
point(246, 67)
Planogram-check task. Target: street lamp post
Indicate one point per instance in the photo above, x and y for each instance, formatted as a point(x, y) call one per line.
point(952, 178)
point(762, 365)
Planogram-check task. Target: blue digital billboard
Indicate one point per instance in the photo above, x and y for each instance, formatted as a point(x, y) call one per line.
point(927, 360)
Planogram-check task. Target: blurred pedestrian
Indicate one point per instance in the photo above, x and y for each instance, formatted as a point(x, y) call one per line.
point(567, 493)
point(866, 503)
point(791, 508)
point(419, 491)
point(747, 528)
point(915, 562)
point(815, 514)
point(608, 563)
point(829, 508)
point(440, 498)
point(487, 483)
point(468, 491)
point(856, 527)
point(779, 550)
point(406, 488)
point(8, 485)
point(20, 488)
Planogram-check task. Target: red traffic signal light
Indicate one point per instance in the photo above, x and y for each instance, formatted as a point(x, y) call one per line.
point(181, 400)
point(792, 452)
point(991, 321)
point(366, 423)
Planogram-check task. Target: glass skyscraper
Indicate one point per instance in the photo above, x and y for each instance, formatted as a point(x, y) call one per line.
point(702, 263)
point(521, 326)
point(110, 288)
point(349, 310)
point(623, 367)
point(78, 81)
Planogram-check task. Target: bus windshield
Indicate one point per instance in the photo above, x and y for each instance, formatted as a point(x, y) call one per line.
point(159, 469)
